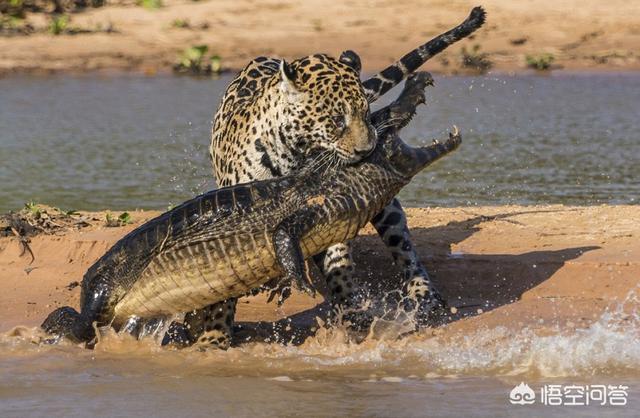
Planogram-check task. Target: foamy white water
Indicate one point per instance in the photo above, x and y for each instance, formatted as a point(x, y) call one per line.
point(420, 375)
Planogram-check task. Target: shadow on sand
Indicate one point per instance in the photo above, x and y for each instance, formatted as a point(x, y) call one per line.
point(468, 282)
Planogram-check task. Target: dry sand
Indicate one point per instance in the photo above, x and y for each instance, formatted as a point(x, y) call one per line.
point(510, 266)
point(582, 35)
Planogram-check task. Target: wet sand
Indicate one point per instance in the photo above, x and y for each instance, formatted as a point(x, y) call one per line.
point(581, 35)
point(510, 267)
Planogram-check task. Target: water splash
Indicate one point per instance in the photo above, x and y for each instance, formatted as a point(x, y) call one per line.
point(608, 346)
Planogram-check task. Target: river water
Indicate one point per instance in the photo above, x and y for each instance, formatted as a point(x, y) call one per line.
point(93, 142)
point(98, 142)
point(417, 376)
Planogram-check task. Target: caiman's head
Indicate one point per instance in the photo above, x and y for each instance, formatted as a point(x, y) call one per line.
point(326, 107)
point(407, 161)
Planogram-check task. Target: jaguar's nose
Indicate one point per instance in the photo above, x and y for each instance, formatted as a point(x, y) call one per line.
point(363, 152)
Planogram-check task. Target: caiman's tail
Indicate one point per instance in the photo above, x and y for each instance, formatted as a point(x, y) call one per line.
point(68, 323)
point(391, 76)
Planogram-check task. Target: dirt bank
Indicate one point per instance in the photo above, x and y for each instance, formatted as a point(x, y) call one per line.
point(538, 266)
point(581, 35)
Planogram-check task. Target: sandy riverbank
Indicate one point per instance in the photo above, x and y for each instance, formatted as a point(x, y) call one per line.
point(537, 267)
point(581, 35)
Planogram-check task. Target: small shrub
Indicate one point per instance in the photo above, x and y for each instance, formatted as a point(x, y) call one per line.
point(194, 56)
point(58, 24)
point(216, 64)
point(540, 62)
point(150, 4)
point(123, 219)
point(11, 25)
point(194, 61)
point(181, 24)
point(475, 60)
point(33, 208)
point(13, 8)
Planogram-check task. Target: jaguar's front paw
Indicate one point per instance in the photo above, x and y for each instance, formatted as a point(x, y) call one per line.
point(177, 335)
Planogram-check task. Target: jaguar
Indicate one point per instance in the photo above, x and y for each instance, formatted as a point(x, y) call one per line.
point(273, 115)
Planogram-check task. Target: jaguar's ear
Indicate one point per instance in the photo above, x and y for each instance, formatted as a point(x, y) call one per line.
point(351, 59)
point(288, 76)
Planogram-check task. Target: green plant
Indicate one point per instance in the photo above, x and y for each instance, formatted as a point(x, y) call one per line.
point(194, 61)
point(192, 57)
point(13, 8)
point(33, 207)
point(540, 62)
point(181, 23)
point(123, 219)
point(474, 59)
point(150, 4)
point(216, 63)
point(58, 24)
point(11, 22)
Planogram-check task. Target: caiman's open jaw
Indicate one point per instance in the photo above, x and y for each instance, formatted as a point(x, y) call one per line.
point(407, 160)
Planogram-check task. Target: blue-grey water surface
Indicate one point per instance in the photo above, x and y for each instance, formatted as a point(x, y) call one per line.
point(96, 142)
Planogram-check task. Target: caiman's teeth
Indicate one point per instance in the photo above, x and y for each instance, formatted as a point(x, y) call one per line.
point(455, 131)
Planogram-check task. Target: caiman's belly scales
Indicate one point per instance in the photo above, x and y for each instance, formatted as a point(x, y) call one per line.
point(207, 272)
point(200, 274)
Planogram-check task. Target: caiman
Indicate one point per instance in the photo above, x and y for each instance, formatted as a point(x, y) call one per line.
point(228, 241)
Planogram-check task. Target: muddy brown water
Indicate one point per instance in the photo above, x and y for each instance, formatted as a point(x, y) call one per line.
point(120, 143)
point(468, 375)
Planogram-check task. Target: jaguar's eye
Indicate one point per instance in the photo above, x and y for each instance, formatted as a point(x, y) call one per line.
point(339, 121)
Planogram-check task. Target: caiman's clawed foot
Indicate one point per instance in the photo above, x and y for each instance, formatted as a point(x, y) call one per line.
point(413, 94)
point(399, 113)
point(66, 322)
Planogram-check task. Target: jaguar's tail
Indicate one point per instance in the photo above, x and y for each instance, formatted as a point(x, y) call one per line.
point(391, 76)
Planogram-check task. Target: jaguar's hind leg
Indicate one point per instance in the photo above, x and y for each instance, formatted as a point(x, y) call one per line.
point(211, 326)
point(420, 295)
point(217, 328)
point(346, 296)
point(177, 335)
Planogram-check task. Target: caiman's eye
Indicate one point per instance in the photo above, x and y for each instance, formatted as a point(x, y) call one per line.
point(339, 121)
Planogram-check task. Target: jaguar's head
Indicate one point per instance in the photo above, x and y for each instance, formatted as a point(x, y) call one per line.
point(326, 107)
